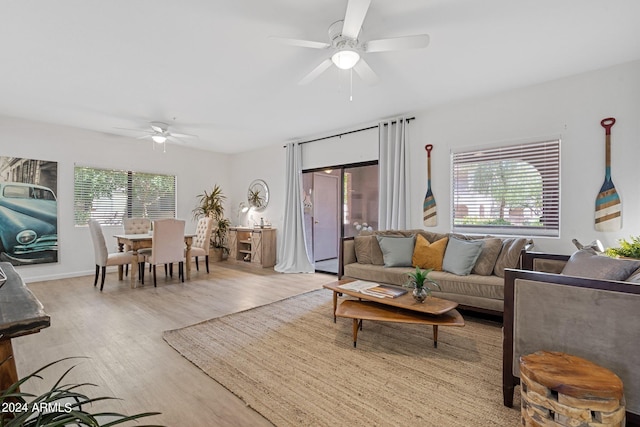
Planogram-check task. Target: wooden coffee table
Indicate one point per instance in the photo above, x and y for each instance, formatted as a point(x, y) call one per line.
point(403, 309)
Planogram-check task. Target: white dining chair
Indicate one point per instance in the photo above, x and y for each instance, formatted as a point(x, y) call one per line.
point(201, 241)
point(103, 258)
point(167, 246)
point(135, 226)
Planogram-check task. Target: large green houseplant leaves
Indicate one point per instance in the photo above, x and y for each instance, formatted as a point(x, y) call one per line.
point(62, 405)
point(211, 204)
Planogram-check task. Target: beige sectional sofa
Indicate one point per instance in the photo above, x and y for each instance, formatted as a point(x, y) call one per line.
point(482, 289)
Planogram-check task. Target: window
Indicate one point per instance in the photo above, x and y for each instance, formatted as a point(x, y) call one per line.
point(110, 195)
point(510, 190)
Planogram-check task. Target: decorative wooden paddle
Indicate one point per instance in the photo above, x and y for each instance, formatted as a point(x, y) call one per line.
point(608, 205)
point(429, 206)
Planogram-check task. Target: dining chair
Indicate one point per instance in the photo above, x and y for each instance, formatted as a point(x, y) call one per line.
point(201, 241)
point(135, 226)
point(167, 246)
point(102, 256)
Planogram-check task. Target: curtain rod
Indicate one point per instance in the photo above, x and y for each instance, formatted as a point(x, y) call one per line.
point(339, 135)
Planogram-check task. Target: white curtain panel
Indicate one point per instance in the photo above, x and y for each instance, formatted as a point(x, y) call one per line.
point(292, 253)
point(393, 209)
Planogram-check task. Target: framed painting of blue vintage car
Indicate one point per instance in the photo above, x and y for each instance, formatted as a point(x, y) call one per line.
point(28, 211)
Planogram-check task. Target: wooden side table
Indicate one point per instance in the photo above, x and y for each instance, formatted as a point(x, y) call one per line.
point(20, 314)
point(559, 389)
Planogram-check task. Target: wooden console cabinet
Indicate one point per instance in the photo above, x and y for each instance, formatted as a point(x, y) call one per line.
point(253, 245)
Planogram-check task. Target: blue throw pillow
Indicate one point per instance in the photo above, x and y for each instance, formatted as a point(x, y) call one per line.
point(397, 251)
point(461, 256)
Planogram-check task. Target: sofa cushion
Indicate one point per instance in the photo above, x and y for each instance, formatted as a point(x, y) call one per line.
point(491, 287)
point(587, 263)
point(461, 256)
point(368, 250)
point(396, 251)
point(634, 278)
point(429, 255)
point(379, 274)
point(488, 257)
point(509, 255)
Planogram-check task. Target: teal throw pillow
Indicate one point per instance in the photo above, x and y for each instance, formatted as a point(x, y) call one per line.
point(397, 251)
point(461, 256)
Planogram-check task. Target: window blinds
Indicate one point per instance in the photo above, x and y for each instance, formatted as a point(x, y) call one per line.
point(109, 195)
point(511, 190)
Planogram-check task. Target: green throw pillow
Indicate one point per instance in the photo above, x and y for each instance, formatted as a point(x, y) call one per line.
point(397, 251)
point(461, 256)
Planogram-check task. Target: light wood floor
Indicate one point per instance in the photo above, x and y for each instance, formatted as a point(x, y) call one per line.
point(120, 330)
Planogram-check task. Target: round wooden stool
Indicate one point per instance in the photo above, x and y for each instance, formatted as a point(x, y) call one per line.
point(563, 390)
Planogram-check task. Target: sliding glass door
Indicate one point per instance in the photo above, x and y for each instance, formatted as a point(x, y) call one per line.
point(338, 202)
point(360, 199)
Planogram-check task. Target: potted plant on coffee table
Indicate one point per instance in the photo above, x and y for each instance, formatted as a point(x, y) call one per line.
point(420, 282)
point(211, 204)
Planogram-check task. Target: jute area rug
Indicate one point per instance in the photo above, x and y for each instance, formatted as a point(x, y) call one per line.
point(292, 364)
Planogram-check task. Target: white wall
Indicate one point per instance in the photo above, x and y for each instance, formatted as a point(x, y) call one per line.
point(196, 171)
point(571, 107)
point(354, 147)
point(268, 164)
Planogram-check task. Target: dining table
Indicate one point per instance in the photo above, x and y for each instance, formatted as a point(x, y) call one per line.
point(135, 242)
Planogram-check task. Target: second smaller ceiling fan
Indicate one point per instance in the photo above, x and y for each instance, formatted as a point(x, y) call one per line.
point(347, 49)
point(159, 133)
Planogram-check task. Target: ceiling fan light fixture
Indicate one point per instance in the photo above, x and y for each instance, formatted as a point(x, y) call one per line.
point(345, 59)
point(159, 138)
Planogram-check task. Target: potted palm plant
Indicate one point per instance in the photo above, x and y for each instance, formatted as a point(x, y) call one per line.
point(211, 204)
point(420, 282)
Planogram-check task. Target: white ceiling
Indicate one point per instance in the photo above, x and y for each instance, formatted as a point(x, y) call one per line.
point(208, 67)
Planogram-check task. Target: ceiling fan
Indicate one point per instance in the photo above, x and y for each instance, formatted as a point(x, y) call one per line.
point(347, 49)
point(159, 133)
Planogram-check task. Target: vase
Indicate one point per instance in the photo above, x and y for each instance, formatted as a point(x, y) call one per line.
point(420, 294)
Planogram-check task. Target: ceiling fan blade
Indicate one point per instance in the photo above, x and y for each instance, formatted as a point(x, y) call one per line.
point(301, 43)
point(398, 43)
point(133, 130)
point(354, 17)
point(144, 137)
point(159, 126)
point(183, 135)
point(316, 72)
point(365, 72)
point(173, 138)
